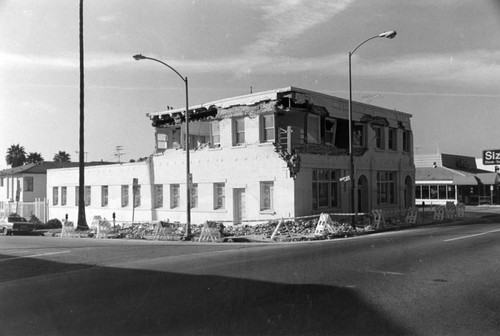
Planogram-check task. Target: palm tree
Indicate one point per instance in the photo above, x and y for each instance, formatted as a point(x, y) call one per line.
point(62, 156)
point(16, 156)
point(34, 158)
point(82, 220)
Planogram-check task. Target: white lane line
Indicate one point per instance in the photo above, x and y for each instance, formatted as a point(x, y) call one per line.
point(386, 272)
point(470, 236)
point(35, 255)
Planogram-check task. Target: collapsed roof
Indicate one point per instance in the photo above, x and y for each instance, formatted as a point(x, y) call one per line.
point(268, 102)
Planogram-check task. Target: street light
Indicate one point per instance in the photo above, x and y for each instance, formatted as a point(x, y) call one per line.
point(139, 57)
point(390, 35)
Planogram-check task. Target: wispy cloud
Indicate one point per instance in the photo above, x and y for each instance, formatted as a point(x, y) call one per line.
point(13, 61)
point(479, 67)
point(285, 20)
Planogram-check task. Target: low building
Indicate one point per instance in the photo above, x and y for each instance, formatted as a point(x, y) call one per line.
point(23, 189)
point(266, 155)
point(442, 178)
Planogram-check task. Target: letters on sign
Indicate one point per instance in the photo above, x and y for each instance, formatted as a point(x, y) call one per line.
point(491, 157)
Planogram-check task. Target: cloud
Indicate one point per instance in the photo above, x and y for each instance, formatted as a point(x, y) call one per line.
point(285, 20)
point(110, 18)
point(13, 61)
point(479, 67)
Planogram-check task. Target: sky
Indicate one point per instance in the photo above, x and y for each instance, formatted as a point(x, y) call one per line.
point(443, 67)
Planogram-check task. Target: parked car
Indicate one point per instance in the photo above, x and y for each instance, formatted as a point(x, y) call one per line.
point(15, 224)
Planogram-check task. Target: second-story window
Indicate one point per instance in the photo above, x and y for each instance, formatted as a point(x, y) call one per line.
point(215, 134)
point(392, 139)
point(407, 141)
point(267, 128)
point(239, 131)
point(379, 137)
point(313, 129)
point(330, 129)
point(161, 141)
point(358, 137)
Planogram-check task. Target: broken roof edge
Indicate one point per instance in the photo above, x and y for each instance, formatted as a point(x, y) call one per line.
point(247, 99)
point(257, 97)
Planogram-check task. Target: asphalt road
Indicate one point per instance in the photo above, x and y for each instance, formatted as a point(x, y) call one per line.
point(433, 280)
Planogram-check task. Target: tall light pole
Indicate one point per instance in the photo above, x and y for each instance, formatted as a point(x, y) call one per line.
point(82, 218)
point(139, 57)
point(352, 208)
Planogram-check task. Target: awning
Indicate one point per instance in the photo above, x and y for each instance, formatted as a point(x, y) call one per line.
point(465, 180)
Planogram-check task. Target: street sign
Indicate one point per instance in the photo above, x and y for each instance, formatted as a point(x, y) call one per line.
point(491, 157)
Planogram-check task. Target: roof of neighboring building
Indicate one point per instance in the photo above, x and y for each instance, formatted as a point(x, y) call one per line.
point(41, 168)
point(436, 174)
point(488, 178)
point(454, 176)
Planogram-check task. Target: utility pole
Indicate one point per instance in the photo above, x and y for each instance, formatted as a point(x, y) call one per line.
point(119, 153)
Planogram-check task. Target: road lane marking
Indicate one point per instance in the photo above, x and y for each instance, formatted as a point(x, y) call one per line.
point(386, 272)
point(35, 255)
point(470, 236)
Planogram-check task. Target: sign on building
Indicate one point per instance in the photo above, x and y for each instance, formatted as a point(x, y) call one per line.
point(491, 157)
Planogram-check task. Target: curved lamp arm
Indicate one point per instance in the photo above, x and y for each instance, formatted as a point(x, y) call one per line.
point(139, 57)
point(388, 34)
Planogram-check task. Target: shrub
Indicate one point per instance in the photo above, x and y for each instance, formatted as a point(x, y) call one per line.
point(54, 224)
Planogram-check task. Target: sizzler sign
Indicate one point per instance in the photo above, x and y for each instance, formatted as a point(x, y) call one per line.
point(491, 157)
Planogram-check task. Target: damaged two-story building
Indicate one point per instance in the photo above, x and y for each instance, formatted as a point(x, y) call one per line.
point(274, 154)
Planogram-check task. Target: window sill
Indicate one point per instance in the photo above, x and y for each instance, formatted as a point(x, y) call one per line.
point(267, 212)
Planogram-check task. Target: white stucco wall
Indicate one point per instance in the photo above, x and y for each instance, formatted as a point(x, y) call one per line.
point(237, 167)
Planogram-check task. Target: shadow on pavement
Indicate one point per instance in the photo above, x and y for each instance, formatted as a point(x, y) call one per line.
point(86, 300)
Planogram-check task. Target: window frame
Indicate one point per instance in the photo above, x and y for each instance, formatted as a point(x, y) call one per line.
point(104, 196)
point(239, 131)
point(194, 195)
point(28, 184)
point(64, 195)
point(55, 195)
point(175, 198)
point(379, 137)
point(125, 195)
point(392, 139)
point(215, 136)
point(325, 186)
point(267, 196)
point(158, 196)
point(387, 188)
point(219, 197)
point(88, 195)
point(268, 128)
